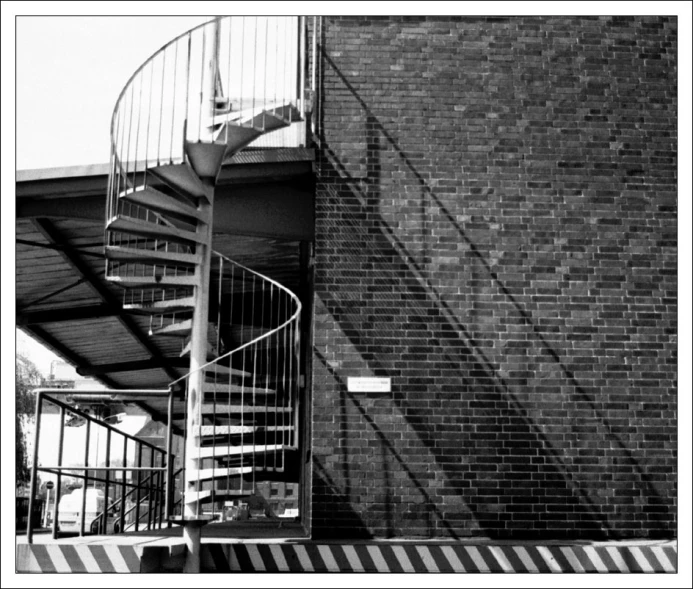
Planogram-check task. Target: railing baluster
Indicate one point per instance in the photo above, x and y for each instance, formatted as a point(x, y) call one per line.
point(151, 490)
point(61, 439)
point(107, 476)
point(161, 108)
point(86, 480)
point(123, 489)
point(138, 496)
point(173, 108)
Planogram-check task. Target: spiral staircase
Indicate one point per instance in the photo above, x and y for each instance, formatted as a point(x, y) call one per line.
point(212, 92)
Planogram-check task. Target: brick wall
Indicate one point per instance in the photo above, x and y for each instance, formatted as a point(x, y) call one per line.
point(496, 232)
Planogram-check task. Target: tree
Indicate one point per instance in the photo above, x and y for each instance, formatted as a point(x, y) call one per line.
point(27, 377)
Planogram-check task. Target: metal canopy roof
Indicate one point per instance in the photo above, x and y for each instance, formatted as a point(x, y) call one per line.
point(63, 300)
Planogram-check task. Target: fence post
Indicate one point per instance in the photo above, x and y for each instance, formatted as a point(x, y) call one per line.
point(34, 469)
point(61, 437)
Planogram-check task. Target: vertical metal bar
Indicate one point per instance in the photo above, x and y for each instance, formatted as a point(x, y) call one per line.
point(123, 488)
point(264, 83)
point(34, 469)
point(302, 64)
point(160, 492)
point(243, 357)
point(138, 495)
point(240, 106)
point(150, 498)
point(187, 87)
point(169, 458)
point(202, 82)
point(276, 59)
point(127, 159)
point(137, 133)
point(82, 514)
point(107, 482)
point(161, 107)
point(173, 109)
point(61, 438)
point(313, 78)
point(285, 73)
point(254, 72)
point(149, 121)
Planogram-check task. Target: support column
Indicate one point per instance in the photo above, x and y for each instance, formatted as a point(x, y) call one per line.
point(192, 515)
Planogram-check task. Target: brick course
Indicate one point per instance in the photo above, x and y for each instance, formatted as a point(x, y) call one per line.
point(496, 232)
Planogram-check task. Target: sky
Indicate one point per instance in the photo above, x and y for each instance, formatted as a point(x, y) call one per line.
point(70, 71)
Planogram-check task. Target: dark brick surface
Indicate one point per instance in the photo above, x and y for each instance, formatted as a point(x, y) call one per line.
point(496, 232)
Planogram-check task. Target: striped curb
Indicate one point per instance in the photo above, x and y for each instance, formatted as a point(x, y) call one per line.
point(69, 558)
point(437, 558)
point(351, 558)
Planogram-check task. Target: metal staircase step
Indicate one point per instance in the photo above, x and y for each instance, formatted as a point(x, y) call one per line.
point(210, 387)
point(119, 253)
point(226, 451)
point(209, 474)
point(234, 430)
point(267, 121)
point(222, 370)
point(181, 178)
point(154, 280)
point(155, 200)
point(219, 495)
point(222, 410)
point(236, 137)
point(180, 328)
point(211, 352)
point(284, 112)
point(205, 158)
point(141, 228)
point(159, 306)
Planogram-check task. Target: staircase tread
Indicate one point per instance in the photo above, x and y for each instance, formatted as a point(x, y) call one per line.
point(222, 471)
point(181, 178)
point(221, 409)
point(182, 303)
point(230, 430)
point(133, 226)
point(225, 451)
point(210, 387)
point(179, 328)
point(124, 254)
point(151, 198)
point(218, 494)
point(137, 281)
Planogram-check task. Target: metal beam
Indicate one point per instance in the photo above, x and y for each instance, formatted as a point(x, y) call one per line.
point(72, 257)
point(76, 360)
point(68, 314)
point(53, 246)
point(134, 365)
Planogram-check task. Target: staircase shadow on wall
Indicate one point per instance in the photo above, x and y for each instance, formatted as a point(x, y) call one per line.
point(544, 492)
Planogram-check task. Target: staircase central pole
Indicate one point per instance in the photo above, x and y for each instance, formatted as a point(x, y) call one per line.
point(192, 528)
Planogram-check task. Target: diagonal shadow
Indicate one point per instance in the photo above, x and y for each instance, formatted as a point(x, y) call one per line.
point(481, 380)
point(386, 446)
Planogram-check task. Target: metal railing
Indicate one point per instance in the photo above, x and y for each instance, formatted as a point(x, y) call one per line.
point(158, 483)
point(252, 395)
point(260, 65)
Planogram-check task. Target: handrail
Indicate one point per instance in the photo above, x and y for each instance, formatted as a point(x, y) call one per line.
point(47, 395)
point(147, 61)
point(91, 418)
point(275, 303)
point(266, 335)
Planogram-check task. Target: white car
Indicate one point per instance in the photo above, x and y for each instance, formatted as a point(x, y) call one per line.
point(70, 509)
